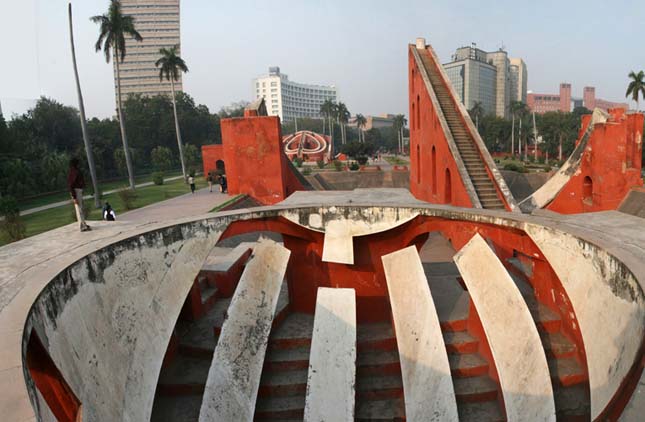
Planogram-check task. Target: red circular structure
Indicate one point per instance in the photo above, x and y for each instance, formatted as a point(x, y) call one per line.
point(307, 145)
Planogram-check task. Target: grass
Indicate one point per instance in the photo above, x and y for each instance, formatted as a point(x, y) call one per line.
point(227, 203)
point(395, 161)
point(64, 196)
point(53, 218)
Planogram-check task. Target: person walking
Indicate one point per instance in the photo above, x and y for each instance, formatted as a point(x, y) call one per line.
point(76, 184)
point(210, 181)
point(108, 212)
point(191, 182)
point(222, 183)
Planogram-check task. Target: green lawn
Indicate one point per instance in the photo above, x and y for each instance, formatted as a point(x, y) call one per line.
point(56, 217)
point(395, 160)
point(107, 186)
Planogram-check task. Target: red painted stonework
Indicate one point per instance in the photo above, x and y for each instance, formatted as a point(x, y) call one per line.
point(430, 155)
point(255, 162)
point(610, 167)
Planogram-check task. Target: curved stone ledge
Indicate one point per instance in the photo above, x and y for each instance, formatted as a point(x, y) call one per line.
point(49, 283)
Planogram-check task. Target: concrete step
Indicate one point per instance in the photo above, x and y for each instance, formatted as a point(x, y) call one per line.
point(176, 408)
point(488, 411)
point(379, 387)
point(287, 359)
point(467, 365)
point(283, 383)
point(566, 371)
point(460, 342)
point(557, 345)
point(184, 376)
point(280, 408)
point(380, 410)
point(378, 362)
point(572, 403)
point(475, 389)
point(375, 336)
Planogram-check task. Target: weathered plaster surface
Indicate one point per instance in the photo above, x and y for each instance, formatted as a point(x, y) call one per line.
point(511, 333)
point(427, 383)
point(234, 376)
point(332, 360)
point(609, 307)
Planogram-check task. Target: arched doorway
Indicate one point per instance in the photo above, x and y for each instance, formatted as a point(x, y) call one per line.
point(220, 167)
point(448, 188)
point(587, 190)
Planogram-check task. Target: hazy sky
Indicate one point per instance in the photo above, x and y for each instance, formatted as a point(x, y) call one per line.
point(360, 46)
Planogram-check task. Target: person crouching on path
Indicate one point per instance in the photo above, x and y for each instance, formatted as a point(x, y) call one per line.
point(76, 184)
point(191, 182)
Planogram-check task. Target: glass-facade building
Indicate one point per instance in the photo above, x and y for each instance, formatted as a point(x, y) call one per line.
point(474, 81)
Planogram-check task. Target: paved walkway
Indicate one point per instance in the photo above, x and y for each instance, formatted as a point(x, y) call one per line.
point(87, 197)
point(201, 202)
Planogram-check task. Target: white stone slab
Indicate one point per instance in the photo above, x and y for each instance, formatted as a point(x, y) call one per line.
point(218, 262)
point(332, 361)
point(234, 376)
point(427, 383)
point(513, 338)
point(608, 305)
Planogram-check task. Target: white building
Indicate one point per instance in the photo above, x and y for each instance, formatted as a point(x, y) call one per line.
point(289, 99)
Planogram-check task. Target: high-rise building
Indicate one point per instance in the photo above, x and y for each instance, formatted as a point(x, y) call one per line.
point(490, 78)
point(519, 80)
point(158, 23)
point(289, 99)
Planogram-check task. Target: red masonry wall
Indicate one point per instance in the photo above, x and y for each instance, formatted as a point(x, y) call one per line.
point(611, 166)
point(210, 155)
point(255, 163)
point(428, 176)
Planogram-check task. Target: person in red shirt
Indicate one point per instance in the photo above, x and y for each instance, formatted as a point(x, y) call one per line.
point(76, 184)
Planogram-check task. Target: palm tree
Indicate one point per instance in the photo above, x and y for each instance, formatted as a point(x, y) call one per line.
point(636, 87)
point(399, 124)
point(342, 114)
point(114, 26)
point(81, 109)
point(516, 108)
point(327, 110)
point(361, 121)
point(477, 111)
point(170, 65)
point(404, 122)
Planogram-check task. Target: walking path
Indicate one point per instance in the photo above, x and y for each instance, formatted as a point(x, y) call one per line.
point(86, 197)
point(200, 202)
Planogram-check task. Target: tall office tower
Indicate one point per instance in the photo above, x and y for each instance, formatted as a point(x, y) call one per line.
point(519, 80)
point(565, 97)
point(488, 78)
point(158, 23)
point(290, 100)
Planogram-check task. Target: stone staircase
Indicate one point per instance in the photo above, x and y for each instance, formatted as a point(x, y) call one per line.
point(484, 185)
point(569, 380)
point(478, 395)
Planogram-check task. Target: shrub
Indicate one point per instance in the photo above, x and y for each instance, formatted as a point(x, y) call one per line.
point(362, 160)
point(338, 165)
point(320, 164)
point(531, 159)
point(157, 178)
point(12, 225)
point(547, 168)
point(306, 171)
point(515, 167)
point(353, 166)
point(127, 196)
point(541, 160)
point(297, 161)
point(161, 158)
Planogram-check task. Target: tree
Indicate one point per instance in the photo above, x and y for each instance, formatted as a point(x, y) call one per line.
point(342, 115)
point(361, 121)
point(81, 108)
point(328, 110)
point(636, 87)
point(161, 158)
point(114, 26)
point(170, 65)
point(476, 112)
point(517, 109)
point(192, 156)
point(399, 123)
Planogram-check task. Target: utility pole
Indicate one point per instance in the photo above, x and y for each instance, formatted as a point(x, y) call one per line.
point(535, 138)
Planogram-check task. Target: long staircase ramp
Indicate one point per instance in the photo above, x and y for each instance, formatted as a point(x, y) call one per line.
point(481, 177)
point(548, 192)
point(234, 376)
